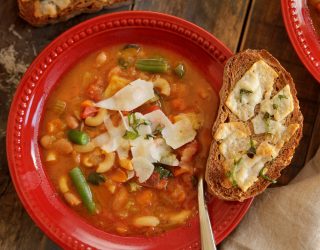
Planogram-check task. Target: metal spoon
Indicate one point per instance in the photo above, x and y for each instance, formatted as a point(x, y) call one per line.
point(207, 239)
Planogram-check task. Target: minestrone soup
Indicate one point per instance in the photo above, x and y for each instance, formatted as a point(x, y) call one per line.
point(124, 136)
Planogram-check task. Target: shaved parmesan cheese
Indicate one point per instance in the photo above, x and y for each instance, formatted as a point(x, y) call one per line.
point(142, 148)
point(143, 168)
point(157, 118)
point(143, 129)
point(123, 148)
point(179, 133)
point(163, 153)
point(112, 130)
point(130, 174)
point(130, 97)
point(116, 141)
point(154, 151)
point(101, 139)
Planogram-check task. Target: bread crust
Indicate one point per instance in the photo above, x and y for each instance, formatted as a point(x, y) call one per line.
point(234, 69)
point(28, 10)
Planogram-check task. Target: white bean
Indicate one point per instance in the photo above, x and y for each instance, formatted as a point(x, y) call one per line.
point(146, 221)
point(72, 199)
point(179, 218)
point(63, 184)
point(101, 59)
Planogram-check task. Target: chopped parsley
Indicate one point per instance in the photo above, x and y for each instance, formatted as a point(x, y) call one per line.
point(194, 181)
point(237, 162)
point(163, 172)
point(123, 63)
point(134, 123)
point(275, 106)
point(252, 150)
point(264, 176)
point(282, 97)
point(131, 46)
point(244, 92)
point(266, 118)
point(96, 179)
point(148, 136)
point(131, 135)
point(231, 174)
point(133, 187)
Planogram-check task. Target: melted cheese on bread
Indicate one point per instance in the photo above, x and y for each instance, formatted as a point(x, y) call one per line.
point(244, 158)
point(253, 86)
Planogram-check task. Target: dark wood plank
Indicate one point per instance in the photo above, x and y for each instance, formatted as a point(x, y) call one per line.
point(314, 144)
point(17, 230)
point(224, 19)
point(265, 30)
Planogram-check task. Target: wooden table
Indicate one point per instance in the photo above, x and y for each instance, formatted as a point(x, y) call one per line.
point(240, 24)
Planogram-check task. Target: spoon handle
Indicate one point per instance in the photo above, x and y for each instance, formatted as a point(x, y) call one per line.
point(207, 239)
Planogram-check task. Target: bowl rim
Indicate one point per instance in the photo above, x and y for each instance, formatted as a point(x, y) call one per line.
point(302, 35)
point(52, 50)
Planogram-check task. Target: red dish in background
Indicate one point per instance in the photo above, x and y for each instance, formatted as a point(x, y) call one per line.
point(302, 34)
point(35, 190)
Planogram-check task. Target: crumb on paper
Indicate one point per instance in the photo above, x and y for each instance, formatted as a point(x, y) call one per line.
point(14, 68)
point(35, 53)
point(14, 32)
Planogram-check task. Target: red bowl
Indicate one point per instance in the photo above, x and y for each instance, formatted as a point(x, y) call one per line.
point(35, 190)
point(302, 34)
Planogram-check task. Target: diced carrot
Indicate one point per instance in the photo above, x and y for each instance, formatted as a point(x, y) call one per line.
point(150, 109)
point(178, 104)
point(118, 175)
point(121, 228)
point(178, 193)
point(95, 89)
point(126, 164)
point(155, 182)
point(55, 126)
point(145, 197)
point(87, 103)
point(120, 199)
point(89, 111)
point(181, 170)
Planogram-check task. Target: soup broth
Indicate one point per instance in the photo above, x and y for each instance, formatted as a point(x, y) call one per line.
point(129, 169)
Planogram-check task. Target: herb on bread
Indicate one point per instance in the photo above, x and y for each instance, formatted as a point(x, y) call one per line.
point(266, 119)
point(231, 174)
point(282, 97)
point(263, 172)
point(244, 92)
point(252, 150)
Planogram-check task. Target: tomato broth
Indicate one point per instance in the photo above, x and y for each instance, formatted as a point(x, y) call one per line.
point(129, 169)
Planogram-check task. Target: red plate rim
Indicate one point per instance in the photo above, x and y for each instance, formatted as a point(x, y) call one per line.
point(21, 101)
point(302, 34)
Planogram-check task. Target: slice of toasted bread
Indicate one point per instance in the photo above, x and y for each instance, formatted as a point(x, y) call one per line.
point(42, 12)
point(216, 177)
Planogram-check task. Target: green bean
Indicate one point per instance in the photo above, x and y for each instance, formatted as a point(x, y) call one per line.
point(78, 137)
point(83, 189)
point(152, 65)
point(131, 46)
point(180, 70)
